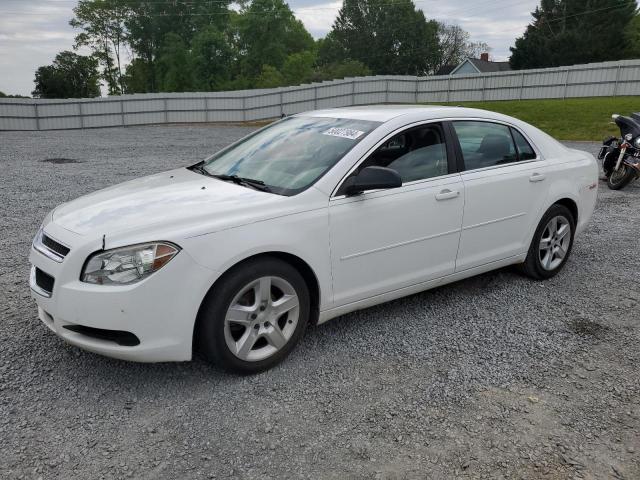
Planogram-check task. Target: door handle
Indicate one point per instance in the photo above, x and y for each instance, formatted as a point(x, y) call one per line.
point(447, 194)
point(537, 177)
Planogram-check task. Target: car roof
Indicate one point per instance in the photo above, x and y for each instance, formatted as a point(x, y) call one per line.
point(385, 113)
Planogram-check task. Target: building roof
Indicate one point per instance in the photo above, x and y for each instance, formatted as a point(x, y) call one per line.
point(487, 67)
point(446, 70)
point(482, 66)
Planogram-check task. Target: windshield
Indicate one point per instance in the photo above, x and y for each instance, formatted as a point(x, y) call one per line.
point(290, 155)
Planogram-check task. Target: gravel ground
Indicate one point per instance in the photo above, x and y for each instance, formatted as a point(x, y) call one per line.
point(493, 377)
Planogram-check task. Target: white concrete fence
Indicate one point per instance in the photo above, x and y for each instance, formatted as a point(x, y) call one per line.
point(593, 80)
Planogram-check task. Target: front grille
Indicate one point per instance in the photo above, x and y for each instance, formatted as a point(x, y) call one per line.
point(54, 246)
point(44, 281)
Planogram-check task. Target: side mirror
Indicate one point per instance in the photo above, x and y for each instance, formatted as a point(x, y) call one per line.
point(372, 178)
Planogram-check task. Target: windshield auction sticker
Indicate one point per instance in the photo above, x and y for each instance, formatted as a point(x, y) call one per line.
point(349, 133)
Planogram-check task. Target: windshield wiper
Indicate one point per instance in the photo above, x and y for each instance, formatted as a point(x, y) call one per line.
point(245, 182)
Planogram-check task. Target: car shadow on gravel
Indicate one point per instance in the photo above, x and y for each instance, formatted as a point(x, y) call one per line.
point(339, 333)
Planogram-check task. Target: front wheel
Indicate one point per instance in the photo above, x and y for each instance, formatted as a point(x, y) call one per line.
point(551, 244)
point(254, 316)
point(621, 178)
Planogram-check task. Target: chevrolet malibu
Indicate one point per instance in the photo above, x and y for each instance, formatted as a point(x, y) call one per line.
point(309, 218)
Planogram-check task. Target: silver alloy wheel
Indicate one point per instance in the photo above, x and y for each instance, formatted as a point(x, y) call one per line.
point(555, 241)
point(261, 318)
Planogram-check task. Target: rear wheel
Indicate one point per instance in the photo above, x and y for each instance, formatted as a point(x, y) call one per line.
point(551, 244)
point(254, 316)
point(621, 178)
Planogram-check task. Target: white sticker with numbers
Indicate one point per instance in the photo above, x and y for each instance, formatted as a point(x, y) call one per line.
point(349, 133)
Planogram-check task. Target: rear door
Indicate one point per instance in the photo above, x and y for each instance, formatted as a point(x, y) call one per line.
point(506, 187)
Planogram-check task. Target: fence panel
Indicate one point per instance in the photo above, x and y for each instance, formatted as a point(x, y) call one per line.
point(592, 80)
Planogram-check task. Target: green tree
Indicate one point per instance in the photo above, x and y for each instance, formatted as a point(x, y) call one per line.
point(567, 32)
point(212, 59)
point(268, 33)
point(270, 77)
point(298, 67)
point(138, 76)
point(70, 76)
point(330, 50)
point(103, 30)
point(347, 68)
point(4, 95)
point(184, 45)
point(174, 62)
point(149, 23)
point(632, 34)
point(388, 37)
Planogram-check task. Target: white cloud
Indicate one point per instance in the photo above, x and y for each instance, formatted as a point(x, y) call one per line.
point(318, 19)
point(497, 22)
point(32, 34)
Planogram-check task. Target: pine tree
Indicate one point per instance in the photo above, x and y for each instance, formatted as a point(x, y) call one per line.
point(569, 32)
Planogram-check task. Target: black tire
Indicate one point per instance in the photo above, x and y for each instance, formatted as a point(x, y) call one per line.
point(618, 182)
point(533, 265)
point(210, 326)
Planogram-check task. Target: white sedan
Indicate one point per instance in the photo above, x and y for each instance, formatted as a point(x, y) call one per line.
point(309, 218)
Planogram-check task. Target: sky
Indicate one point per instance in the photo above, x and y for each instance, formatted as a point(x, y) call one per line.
point(32, 32)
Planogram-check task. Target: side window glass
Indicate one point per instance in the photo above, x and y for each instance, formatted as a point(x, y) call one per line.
point(525, 152)
point(485, 144)
point(416, 154)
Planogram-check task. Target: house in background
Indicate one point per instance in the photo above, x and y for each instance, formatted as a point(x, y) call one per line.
point(470, 66)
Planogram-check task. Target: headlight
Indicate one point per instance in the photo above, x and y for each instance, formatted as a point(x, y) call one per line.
point(126, 265)
point(636, 142)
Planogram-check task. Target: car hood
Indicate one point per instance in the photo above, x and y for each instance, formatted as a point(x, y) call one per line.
point(168, 198)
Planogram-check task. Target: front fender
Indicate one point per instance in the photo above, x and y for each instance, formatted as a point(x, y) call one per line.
point(304, 235)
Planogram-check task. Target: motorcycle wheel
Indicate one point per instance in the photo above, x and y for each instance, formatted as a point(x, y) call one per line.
point(621, 178)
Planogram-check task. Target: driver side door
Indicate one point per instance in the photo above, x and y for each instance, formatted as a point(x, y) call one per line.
point(384, 240)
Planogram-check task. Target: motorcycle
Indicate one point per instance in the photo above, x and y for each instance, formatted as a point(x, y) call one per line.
point(621, 156)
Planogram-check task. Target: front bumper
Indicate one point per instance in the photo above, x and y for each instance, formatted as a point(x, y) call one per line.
point(160, 310)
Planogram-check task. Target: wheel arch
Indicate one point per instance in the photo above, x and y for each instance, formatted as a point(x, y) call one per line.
point(295, 261)
point(565, 201)
point(571, 204)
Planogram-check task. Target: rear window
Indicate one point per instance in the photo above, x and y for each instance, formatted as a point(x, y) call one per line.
point(525, 151)
point(485, 144)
